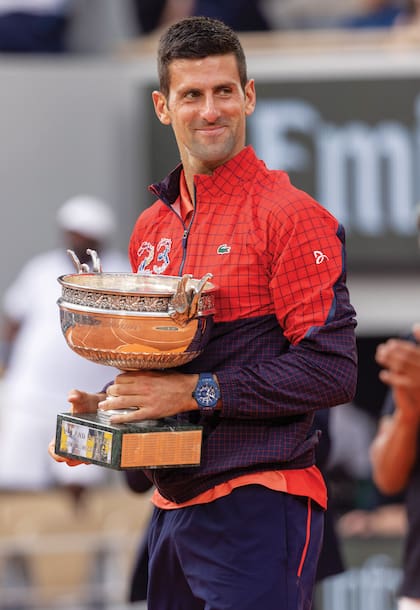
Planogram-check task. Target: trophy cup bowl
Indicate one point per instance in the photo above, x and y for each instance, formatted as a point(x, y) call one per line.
point(132, 322)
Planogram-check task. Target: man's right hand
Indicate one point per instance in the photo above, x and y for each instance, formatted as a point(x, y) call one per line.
point(60, 458)
point(81, 402)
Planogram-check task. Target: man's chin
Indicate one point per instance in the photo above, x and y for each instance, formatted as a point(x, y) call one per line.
point(214, 155)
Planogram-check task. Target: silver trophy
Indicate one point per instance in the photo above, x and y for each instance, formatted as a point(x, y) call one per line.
point(132, 321)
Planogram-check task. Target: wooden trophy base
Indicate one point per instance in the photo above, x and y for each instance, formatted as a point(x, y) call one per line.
point(158, 444)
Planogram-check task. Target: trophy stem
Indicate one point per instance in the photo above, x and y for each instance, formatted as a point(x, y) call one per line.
point(105, 416)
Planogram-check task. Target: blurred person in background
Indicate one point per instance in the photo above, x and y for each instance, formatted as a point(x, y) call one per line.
point(376, 14)
point(34, 26)
point(413, 11)
point(395, 451)
point(240, 15)
point(305, 14)
point(33, 349)
point(407, 28)
point(152, 15)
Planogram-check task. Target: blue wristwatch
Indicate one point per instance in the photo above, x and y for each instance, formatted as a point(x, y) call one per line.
point(207, 392)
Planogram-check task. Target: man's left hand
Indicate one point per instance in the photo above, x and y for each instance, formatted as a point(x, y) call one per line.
point(156, 394)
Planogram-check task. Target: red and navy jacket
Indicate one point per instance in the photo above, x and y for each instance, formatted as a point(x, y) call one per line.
point(283, 342)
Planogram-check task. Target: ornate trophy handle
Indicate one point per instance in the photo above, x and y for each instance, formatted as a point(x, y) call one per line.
point(84, 267)
point(183, 306)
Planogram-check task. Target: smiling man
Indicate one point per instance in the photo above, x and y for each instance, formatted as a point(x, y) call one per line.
point(206, 105)
point(243, 530)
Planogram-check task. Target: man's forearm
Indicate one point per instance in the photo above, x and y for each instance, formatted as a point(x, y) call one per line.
point(393, 452)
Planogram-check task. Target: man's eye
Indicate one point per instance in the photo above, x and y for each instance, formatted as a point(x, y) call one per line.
point(192, 94)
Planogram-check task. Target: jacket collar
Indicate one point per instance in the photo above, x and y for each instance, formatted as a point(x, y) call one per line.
point(235, 171)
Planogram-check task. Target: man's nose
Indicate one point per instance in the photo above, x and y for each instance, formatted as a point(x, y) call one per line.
point(210, 111)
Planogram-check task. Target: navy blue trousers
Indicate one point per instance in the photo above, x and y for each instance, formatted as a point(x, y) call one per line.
point(253, 549)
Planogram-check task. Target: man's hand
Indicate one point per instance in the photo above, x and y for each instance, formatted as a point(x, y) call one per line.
point(81, 402)
point(84, 402)
point(60, 458)
point(156, 394)
point(394, 449)
point(401, 362)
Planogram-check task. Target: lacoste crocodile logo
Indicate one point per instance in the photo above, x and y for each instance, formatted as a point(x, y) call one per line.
point(223, 249)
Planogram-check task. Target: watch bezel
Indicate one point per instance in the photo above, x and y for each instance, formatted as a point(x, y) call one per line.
point(207, 383)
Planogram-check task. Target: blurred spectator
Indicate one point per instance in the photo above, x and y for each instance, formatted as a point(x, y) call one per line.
point(307, 14)
point(34, 351)
point(352, 430)
point(407, 28)
point(395, 450)
point(376, 14)
point(240, 15)
point(411, 12)
point(33, 26)
point(154, 14)
point(388, 520)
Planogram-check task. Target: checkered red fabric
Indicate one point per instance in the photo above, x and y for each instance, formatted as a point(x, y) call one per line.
point(283, 344)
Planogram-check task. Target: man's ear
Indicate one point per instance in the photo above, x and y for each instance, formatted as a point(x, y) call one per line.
point(250, 97)
point(161, 107)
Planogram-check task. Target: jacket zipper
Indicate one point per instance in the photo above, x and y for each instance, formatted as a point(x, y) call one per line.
point(186, 229)
point(186, 234)
point(184, 248)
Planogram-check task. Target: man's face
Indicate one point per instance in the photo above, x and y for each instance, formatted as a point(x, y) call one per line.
point(207, 109)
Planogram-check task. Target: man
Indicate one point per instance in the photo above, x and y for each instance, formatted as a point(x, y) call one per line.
point(244, 529)
point(395, 450)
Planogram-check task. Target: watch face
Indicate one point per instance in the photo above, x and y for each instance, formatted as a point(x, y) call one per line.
point(207, 395)
point(207, 392)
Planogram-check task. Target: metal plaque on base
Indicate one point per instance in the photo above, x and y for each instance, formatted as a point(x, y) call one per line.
point(156, 444)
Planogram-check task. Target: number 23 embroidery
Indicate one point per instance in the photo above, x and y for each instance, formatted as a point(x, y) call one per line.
point(147, 253)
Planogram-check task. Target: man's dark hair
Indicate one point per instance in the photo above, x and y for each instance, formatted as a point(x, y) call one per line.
point(196, 38)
